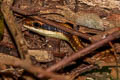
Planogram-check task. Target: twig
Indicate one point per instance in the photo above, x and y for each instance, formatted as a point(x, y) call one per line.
point(84, 51)
point(25, 64)
point(116, 59)
point(82, 69)
point(76, 5)
point(85, 36)
point(13, 27)
point(33, 10)
point(89, 30)
point(87, 68)
point(103, 34)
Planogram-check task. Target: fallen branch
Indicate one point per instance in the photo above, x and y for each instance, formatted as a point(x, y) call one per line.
point(84, 52)
point(13, 27)
point(25, 64)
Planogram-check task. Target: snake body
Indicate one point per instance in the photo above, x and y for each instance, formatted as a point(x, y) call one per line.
point(50, 31)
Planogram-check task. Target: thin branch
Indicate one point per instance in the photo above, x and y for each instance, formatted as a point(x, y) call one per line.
point(84, 52)
point(103, 34)
point(25, 64)
point(14, 27)
point(33, 10)
point(85, 36)
point(76, 5)
point(77, 71)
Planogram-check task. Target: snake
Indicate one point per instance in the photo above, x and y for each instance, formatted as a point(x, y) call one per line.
point(51, 31)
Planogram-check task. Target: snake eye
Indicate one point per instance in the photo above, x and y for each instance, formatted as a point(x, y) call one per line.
point(36, 24)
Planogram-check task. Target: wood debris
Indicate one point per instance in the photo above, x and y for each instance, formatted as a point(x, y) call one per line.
point(79, 40)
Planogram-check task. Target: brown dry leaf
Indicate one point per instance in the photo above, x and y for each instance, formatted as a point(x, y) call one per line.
point(102, 58)
point(110, 4)
point(83, 18)
point(114, 73)
point(114, 19)
point(41, 55)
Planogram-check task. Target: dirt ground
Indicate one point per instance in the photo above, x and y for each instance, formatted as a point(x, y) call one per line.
point(73, 40)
